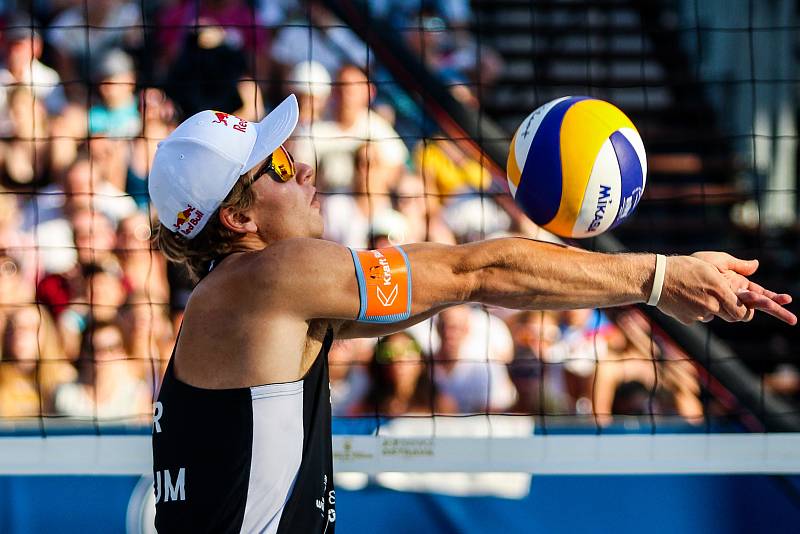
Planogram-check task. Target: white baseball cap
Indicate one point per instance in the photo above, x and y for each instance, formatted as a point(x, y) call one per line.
point(310, 78)
point(196, 166)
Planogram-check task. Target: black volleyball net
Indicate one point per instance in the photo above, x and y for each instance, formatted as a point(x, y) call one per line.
point(407, 110)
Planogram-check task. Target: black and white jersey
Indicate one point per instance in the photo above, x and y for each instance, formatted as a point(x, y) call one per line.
point(254, 459)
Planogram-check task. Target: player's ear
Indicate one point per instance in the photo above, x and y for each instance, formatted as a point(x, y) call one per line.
point(237, 221)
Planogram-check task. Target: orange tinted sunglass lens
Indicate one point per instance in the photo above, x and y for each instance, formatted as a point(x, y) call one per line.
point(283, 164)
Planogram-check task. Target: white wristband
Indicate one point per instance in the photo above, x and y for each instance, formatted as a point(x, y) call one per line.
point(658, 280)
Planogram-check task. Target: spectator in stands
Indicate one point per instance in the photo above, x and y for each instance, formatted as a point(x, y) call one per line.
point(94, 238)
point(25, 155)
point(159, 118)
point(82, 187)
point(349, 360)
point(99, 301)
point(421, 209)
point(22, 50)
point(402, 381)
point(78, 36)
point(671, 380)
point(16, 243)
point(147, 334)
point(444, 165)
point(93, 244)
point(460, 182)
point(213, 69)
point(117, 113)
point(353, 125)
point(15, 289)
point(32, 364)
point(230, 21)
point(68, 131)
point(583, 336)
point(348, 215)
point(109, 384)
point(540, 387)
point(144, 270)
point(109, 157)
point(470, 363)
point(311, 84)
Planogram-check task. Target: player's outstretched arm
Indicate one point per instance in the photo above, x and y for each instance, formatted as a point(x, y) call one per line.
point(316, 279)
point(528, 274)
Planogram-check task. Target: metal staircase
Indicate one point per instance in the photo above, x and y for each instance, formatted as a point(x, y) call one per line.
point(625, 52)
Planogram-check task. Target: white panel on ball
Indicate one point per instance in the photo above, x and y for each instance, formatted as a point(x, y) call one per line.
point(524, 145)
point(601, 200)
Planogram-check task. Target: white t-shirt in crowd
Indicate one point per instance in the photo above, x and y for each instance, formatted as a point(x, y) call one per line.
point(42, 80)
point(479, 381)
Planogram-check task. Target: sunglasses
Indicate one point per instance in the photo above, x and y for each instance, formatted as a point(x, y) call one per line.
point(279, 165)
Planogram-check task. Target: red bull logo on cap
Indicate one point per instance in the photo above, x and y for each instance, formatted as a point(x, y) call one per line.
point(222, 118)
point(187, 219)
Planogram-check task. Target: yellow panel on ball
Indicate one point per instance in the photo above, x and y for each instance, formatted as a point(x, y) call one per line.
point(513, 170)
point(586, 126)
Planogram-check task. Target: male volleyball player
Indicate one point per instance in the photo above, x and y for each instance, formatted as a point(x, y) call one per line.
point(242, 426)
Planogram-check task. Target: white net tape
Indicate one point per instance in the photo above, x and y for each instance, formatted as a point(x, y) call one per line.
point(552, 454)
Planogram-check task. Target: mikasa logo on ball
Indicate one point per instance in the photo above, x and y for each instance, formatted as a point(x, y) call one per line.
point(602, 203)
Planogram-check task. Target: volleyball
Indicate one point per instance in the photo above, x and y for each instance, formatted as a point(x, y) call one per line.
point(577, 166)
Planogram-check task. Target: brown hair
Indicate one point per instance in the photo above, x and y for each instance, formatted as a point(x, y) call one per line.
point(214, 240)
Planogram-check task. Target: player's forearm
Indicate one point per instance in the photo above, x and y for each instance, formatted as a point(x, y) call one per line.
point(527, 274)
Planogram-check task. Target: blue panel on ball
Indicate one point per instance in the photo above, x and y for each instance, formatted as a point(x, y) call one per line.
point(631, 174)
point(539, 191)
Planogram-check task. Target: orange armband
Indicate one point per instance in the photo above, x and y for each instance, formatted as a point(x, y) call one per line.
point(384, 284)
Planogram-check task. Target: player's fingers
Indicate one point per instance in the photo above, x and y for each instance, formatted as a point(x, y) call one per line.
point(756, 288)
point(781, 298)
point(767, 305)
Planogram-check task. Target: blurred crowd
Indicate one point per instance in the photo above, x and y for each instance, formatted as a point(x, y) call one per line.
point(89, 310)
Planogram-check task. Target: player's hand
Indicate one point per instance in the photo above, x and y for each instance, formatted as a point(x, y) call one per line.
point(752, 295)
point(695, 290)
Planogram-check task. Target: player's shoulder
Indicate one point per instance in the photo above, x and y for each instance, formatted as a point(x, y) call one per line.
point(267, 276)
point(293, 251)
point(293, 261)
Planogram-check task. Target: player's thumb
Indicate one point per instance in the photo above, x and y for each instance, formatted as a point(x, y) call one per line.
point(743, 267)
